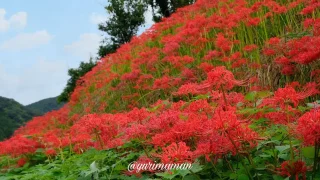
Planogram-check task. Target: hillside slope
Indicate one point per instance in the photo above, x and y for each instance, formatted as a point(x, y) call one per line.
point(12, 116)
point(46, 105)
point(230, 86)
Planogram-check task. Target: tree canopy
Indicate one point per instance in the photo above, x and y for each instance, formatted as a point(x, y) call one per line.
point(126, 16)
point(75, 74)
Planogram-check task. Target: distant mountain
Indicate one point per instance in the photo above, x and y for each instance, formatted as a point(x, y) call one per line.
point(45, 105)
point(12, 116)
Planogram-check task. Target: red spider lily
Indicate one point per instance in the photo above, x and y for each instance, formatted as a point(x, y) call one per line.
point(132, 76)
point(274, 41)
point(212, 54)
point(206, 67)
point(253, 21)
point(250, 48)
point(19, 145)
point(223, 43)
point(232, 98)
point(289, 96)
point(144, 82)
point(269, 52)
point(198, 107)
point(310, 9)
point(295, 169)
point(283, 117)
point(219, 77)
point(308, 51)
point(224, 134)
point(137, 131)
point(101, 128)
point(171, 48)
point(166, 82)
point(275, 7)
point(190, 88)
point(188, 75)
point(282, 60)
point(21, 162)
point(239, 63)
point(179, 61)
point(50, 152)
point(309, 126)
point(175, 153)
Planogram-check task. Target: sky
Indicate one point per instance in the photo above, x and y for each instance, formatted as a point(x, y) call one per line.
point(41, 40)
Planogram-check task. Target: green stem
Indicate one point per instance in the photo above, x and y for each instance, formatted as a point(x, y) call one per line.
point(290, 142)
point(224, 95)
point(195, 175)
point(243, 164)
point(145, 150)
point(215, 168)
point(316, 154)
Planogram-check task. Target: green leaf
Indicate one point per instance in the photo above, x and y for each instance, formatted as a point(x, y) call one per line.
point(264, 143)
point(190, 177)
point(201, 96)
point(308, 152)
point(284, 156)
point(265, 155)
point(251, 96)
point(39, 150)
point(93, 167)
point(167, 175)
point(196, 167)
point(233, 176)
point(243, 177)
point(120, 167)
point(263, 94)
point(277, 177)
point(282, 148)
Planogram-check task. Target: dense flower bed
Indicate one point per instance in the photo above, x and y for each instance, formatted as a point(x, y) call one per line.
point(230, 85)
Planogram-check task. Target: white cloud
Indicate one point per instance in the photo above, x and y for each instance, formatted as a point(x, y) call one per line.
point(40, 80)
point(98, 18)
point(26, 41)
point(4, 24)
point(16, 21)
point(86, 46)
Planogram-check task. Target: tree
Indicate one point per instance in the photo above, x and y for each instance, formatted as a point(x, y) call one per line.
point(107, 48)
point(75, 75)
point(125, 18)
point(166, 7)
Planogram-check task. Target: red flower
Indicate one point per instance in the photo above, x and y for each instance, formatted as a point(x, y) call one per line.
point(18, 145)
point(250, 48)
point(293, 169)
point(220, 77)
point(253, 21)
point(274, 41)
point(176, 153)
point(289, 96)
point(269, 52)
point(309, 126)
point(223, 43)
point(50, 152)
point(212, 54)
point(21, 162)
